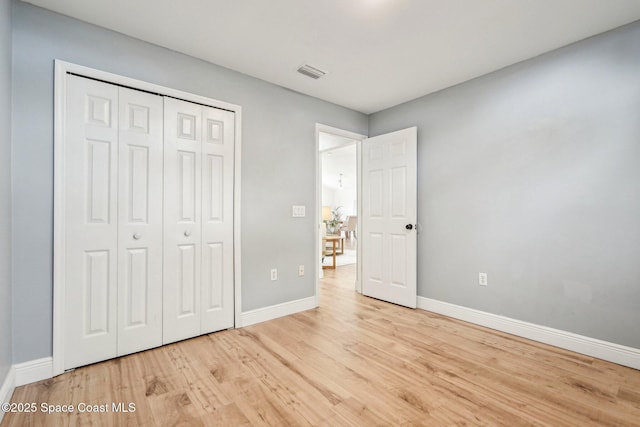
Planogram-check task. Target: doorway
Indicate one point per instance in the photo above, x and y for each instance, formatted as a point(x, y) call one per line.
point(338, 191)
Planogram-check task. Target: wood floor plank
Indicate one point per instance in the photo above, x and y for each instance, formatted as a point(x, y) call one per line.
point(353, 361)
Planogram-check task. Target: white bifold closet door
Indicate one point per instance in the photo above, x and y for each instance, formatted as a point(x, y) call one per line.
point(198, 219)
point(113, 220)
point(148, 220)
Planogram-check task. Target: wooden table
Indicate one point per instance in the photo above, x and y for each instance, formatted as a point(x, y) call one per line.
point(334, 248)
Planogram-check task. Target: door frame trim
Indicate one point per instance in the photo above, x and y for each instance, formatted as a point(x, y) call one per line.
point(321, 128)
point(62, 69)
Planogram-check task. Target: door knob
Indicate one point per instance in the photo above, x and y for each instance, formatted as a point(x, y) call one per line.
point(136, 236)
point(187, 233)
point(409, 226)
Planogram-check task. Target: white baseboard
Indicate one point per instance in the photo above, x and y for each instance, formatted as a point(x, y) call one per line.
point(622, 355)
point(279, 310)
point(34, 370)
point(8, 385)
point(7, 388)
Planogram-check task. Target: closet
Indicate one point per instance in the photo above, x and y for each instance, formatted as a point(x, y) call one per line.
point(148, 212)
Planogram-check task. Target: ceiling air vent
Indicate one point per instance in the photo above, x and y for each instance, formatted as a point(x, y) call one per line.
point(310, 71)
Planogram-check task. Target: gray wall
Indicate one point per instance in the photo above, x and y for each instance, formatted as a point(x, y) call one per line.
point(278, 157)
point(5, 188)
point(532, 175)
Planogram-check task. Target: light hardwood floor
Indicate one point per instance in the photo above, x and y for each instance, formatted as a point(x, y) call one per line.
point(354, 361)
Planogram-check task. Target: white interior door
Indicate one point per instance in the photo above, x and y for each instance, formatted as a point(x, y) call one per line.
point(198, 231)
point(139, 221)
point(91, 217)
point(149, 220)
point(144, 217)
point(389, 214)
point(217, 303)
point(182, 219)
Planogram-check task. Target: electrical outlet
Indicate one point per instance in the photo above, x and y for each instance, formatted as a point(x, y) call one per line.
point(482, 279)
point(274, 274)
point(301, 270)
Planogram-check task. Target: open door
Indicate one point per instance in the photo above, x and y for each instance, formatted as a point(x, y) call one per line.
point(389, 216)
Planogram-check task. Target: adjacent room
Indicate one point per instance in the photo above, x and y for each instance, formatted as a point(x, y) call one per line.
point(339, 200)
point(366, 212)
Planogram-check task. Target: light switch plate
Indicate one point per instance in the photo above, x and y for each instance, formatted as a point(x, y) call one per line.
point(482, 279)
point(298, 211)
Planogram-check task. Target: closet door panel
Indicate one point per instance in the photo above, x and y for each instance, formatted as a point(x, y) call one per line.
point(186, 281)
point(182, 219)
point(91, 204)
point(140, 221)
point(217, 219)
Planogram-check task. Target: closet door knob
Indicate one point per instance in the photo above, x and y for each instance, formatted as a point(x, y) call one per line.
point(187, 233)
point(136, 236)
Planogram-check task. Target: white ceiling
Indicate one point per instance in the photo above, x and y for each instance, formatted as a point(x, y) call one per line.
point(378, 53)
